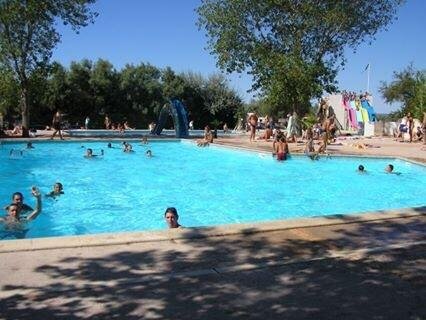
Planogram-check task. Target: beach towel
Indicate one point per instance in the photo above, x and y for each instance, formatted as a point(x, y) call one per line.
point(354, 121)
point(370, 110)
point(364, 113)
point(357, 104)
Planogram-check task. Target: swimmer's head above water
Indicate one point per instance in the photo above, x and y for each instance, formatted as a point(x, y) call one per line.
point(172, 217)
point(58, 188)
point(13, 211)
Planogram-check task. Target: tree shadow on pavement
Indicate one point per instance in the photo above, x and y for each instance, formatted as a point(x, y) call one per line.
point(269, 275)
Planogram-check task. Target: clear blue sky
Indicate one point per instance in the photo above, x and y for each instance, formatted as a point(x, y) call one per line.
point(164, 33)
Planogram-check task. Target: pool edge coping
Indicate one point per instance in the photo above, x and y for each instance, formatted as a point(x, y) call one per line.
point(123, 238)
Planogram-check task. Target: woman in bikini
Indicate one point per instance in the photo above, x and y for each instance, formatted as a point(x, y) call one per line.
point(252, 120)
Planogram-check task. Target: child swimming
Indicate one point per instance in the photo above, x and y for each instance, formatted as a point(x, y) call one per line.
point(57, 190)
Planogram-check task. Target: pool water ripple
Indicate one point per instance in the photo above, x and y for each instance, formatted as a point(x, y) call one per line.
point(209, 186)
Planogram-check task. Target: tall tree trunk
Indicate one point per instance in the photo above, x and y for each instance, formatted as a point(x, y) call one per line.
point(25, 111)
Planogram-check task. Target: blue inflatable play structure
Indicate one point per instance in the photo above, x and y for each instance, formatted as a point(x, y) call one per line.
point(179, 115)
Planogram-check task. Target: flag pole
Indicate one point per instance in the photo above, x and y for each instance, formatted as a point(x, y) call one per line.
point(368, 78)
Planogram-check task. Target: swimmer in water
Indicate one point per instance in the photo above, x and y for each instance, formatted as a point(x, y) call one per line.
point(389, 169)
point(57, 190)
point(14, 152)
point(172, 218)
point(18, 199)
point(361, 169)
point(128, 148)
point(13, 216)
point(148, 153)
point(90, 154)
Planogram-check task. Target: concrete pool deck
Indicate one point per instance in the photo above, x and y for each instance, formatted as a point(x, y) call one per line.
point(370, 266)
point(347, 270)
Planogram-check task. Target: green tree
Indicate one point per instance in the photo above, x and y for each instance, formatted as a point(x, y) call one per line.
point(292, 48)
point(80, 101)
point(56, 94)
point(221, 101)
point(141, 92)
point(28, 37)
point(104, 86)
point(209, 100)
point(173, 84)
point(38, 85)
point(9, 92)
point(193, 98)
point(408, 88)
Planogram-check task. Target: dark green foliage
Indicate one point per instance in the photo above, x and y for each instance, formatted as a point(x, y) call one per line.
point(136, 94)
point(141, 95)
point(292, 48)
point(28, 37)
point(8, 92)
point(409, 89)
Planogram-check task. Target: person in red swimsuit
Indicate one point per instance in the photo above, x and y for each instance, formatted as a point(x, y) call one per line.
point(281, 149)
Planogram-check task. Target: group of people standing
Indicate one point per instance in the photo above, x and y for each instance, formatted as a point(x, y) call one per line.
point(324, 130)
point(415, 129)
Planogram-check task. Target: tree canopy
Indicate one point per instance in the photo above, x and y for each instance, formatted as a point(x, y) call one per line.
point(135, 93)
point(408, 87)
point(28, 35)
point(292, 48)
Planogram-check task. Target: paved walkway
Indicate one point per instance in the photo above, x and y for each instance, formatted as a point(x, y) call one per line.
point(369, 270)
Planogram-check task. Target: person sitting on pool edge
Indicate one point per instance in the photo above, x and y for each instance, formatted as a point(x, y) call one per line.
point(208, 138)
point(389, 169)
point(57, 190)
point(14, 210)
point(172, 218)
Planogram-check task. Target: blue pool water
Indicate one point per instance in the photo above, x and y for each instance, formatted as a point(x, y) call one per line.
point(209, 186)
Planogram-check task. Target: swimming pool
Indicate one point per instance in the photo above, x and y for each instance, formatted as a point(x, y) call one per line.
point(209, 186)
